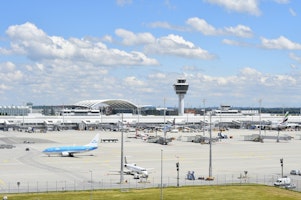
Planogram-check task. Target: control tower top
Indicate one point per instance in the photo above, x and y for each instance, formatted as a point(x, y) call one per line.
point(181, 86)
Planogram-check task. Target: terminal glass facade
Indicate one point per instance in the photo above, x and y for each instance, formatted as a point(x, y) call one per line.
point(14, 110)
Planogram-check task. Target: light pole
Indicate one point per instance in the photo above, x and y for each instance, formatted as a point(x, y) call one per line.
point(164, 110)
point(278, 133)
point(204, 100)
point(161, 193)
point(91, 180)
point(18, 184)
point(260, 101)
point(178, 171)
point(23, 113)
point(121, 156)
point(210, 148)
point(281, 163)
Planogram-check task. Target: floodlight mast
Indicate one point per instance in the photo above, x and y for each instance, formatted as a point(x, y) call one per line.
point(181, 88)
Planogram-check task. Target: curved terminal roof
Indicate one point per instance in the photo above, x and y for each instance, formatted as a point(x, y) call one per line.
point(114, 103)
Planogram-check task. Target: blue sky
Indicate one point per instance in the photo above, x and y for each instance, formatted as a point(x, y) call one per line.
point(233, 52)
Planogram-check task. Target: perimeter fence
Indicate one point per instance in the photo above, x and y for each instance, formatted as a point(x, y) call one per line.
point(62, 186)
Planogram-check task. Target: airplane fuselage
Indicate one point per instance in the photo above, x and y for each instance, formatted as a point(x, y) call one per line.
point(134, 169)
point(68, 150)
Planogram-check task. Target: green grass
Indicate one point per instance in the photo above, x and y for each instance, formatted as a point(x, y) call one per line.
point(258, 192)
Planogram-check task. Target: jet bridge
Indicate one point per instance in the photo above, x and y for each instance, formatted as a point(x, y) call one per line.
point(256, 137)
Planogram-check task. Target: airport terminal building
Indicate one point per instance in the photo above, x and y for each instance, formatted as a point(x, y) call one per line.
point(100, 114)
point(16, 110)
point(86, 108)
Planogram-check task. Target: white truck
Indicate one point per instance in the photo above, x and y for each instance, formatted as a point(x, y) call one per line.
point(283, 182)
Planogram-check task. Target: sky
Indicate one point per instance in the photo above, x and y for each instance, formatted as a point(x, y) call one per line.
point(235, 52)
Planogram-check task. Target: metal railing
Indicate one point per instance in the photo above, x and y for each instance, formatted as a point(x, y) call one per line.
point(62, 186)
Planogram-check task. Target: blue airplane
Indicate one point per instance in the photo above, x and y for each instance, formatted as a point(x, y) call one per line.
point(71, 150)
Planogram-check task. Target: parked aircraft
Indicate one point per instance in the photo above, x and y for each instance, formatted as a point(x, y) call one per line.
point(137, 171)
point(279, 125)
point(159, 139)
point(71, 150)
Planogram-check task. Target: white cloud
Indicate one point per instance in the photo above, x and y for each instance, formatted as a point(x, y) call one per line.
point(166, 25)
point(244, 87)
point(169, 4)
point(293, 66)
point(63, 70)
point(295, 57)
point(189, 68)
point(130, 38)
point(9, 73)
point(171, 44)
point(40, 66)
point(233, 42)
point(133, 81)
point(242, 6)
point(133, 85)
point(239, 31)
point(7, 67)
point(27, 39)
point(250, 72)
point(76, 68)
point(4, 51)
point(107, 38)
point(123, 2)
point(157, 76)
point(207, 29)
point(3, 87)
point(202, 26)
point(292, 12)
point(176, 45)
point(282, 1)
point(280, 43)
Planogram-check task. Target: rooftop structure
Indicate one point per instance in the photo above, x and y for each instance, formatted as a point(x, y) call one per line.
point(114, 103)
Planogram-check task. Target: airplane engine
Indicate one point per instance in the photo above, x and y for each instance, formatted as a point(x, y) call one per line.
point(65, 154)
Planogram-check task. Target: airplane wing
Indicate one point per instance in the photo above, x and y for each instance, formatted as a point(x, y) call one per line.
point(118, 172)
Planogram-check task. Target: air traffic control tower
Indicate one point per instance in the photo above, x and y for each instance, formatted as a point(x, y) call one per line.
point(181, 88)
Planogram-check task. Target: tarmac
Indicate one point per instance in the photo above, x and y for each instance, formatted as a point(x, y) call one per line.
point(24, 168)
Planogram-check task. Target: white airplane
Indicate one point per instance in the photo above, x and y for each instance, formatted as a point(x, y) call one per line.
point(136, 171)
point(279, 125)
point(71, 150)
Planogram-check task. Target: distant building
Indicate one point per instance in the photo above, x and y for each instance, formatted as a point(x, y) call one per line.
point(226, 110)
point(80, 112)
point(16, 110)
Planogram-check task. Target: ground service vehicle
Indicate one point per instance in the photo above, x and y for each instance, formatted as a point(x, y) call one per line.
point(282, 182)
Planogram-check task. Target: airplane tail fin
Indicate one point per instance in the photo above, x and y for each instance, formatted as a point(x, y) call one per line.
point(125, 161)
point(166, 128)
point(285, 118)
point(94, 141)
